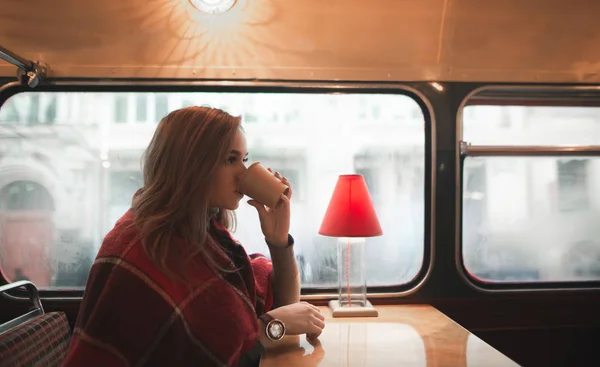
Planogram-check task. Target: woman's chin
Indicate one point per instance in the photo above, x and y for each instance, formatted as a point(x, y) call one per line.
point(233, 206)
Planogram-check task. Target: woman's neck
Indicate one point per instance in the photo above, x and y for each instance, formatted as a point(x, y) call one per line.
point(212, 214)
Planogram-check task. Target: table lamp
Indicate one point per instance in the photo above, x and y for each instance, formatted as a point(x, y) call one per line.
point(351, 217)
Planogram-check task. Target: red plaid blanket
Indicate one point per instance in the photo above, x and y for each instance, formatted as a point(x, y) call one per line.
point(132, 315)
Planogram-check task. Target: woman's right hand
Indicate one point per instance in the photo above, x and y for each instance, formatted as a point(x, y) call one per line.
point(300, 318)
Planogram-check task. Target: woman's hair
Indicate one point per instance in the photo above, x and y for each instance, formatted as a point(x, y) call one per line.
point(187, 147)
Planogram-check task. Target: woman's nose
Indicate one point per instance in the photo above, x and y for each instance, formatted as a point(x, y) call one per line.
point(241, 171)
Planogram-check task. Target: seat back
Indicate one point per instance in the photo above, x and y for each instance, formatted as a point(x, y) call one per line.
point(36, 338)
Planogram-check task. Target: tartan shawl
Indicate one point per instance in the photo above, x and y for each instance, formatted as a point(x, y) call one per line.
point(132, 315)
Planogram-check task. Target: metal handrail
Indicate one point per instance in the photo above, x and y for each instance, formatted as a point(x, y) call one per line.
point(16, 60)
point(31, 72)
point(32, 290)
point(34, 297)
point(467, 149)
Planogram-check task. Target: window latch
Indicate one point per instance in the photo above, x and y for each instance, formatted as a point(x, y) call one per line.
point(464, 148)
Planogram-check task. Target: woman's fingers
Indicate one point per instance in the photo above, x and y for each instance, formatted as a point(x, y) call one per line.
point(320, 316)
point(314, 341)
point(314, 330)
point(284, 180)
point(318, 322)
point(317, 311)
point(311, 306)
point(287, 183)
point(259, 207)
point(283, 200)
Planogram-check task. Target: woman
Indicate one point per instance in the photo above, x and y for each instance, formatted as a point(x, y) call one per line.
point(170, 286)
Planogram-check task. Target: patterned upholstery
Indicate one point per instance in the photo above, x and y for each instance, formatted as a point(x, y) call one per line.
point(40, 341)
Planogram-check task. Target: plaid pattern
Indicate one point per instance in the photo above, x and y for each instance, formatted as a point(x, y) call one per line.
point(132, 315)
point(41, 341)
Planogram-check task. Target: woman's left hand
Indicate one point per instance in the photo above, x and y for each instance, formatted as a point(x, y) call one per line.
point(275, 222)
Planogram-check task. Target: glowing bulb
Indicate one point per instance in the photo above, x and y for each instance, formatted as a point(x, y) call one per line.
point(437, 86)
point(213, 6)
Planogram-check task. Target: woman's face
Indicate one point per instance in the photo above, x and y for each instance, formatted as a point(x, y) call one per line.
point(223, 191)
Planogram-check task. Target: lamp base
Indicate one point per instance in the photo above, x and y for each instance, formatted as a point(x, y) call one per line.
point(337, 310)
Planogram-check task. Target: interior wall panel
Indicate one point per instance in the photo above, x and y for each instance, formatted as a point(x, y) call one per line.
point(380, 40)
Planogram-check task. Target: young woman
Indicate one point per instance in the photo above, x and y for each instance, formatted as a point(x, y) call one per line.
point(170, 286)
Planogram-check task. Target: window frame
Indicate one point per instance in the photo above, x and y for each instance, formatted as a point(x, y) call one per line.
point(410, 90)
point(518, 95)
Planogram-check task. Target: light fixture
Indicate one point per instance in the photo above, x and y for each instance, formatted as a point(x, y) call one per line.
point(213, 6)
point(437, 86)
point(351, 217)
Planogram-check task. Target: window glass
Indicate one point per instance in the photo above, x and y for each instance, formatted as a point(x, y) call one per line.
point(10, 114)
point(531, 125)
point(141, 107)
point(532, 219)
point(161, 106)
point(69, 182)
point(120, 108)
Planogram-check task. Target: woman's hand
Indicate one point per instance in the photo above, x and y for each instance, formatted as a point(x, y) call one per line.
point(300, 318)
point(275, 222)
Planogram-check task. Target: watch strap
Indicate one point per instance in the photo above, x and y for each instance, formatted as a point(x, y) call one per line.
point(266, 318)
point(289, 244)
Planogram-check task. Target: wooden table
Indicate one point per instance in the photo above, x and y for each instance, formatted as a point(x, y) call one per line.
point(403, 335)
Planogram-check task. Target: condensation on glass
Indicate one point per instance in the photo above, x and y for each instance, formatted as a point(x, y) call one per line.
point(531, 219)
point(71, 162)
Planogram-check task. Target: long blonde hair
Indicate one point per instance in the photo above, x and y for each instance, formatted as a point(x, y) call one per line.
point(178, 165)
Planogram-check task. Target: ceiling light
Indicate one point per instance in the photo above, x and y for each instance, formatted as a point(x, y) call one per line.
point(213, 6)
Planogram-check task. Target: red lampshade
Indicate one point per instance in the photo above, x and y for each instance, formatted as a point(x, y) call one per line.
point(350, 212)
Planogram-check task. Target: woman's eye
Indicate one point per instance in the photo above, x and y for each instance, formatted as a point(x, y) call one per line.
point(245, 160)
point(231, 159)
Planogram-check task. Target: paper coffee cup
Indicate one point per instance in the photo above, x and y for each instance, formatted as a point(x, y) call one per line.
point(261, 185)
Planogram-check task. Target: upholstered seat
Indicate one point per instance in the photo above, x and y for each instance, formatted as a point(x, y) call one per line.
point(36, 338)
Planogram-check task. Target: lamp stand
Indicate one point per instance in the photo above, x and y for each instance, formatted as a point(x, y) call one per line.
point(352, 286)
point(338, 310)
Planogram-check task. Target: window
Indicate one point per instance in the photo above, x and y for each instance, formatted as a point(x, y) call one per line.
point(50, 113)
point(370, 177)
point(120, 108)
point(9, 113)
point(34, 110)
point(573, 193)
point(162, 106)
point(92, 173)
point(26, 233)
point(187, 102)
point(137, 107)
point(529, 210)
point(250, 117)
point(123, 184)
point(25, 195)
point(141, 108)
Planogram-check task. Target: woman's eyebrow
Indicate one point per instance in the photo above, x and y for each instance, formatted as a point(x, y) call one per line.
point(237, 152)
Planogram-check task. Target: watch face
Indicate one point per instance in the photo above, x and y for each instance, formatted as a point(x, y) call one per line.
point(276, 329)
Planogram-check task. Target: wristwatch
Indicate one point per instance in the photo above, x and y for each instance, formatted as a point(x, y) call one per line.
point(275, 329)
point(289, 244)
